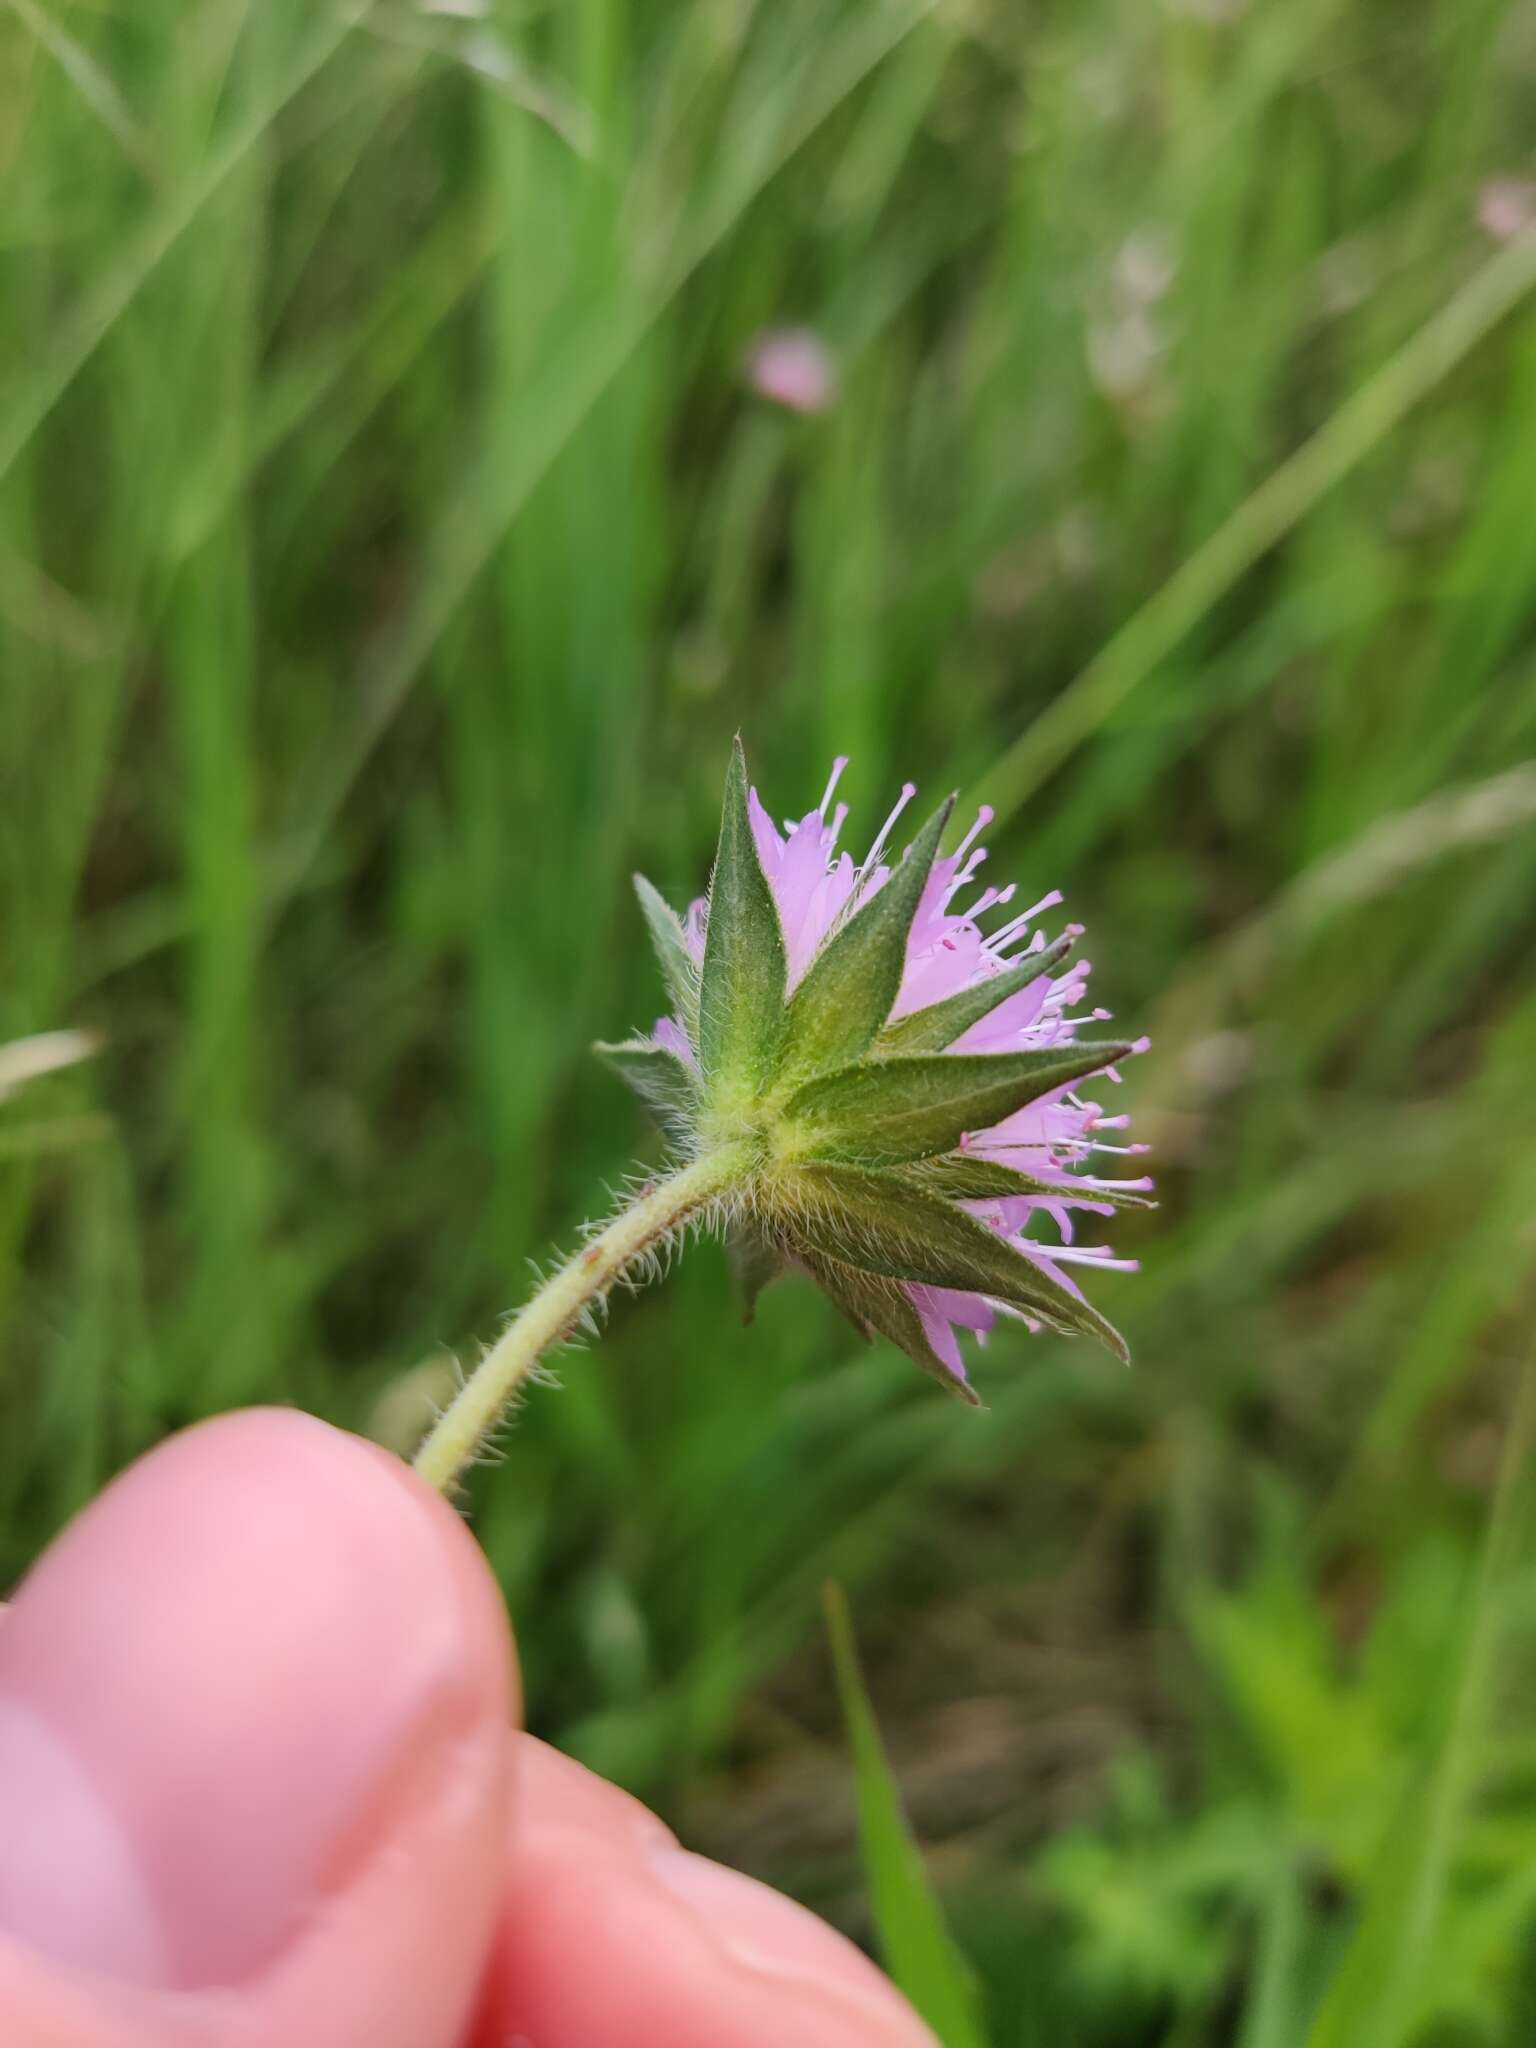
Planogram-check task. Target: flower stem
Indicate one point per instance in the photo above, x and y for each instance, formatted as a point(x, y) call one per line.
point(558, 1306)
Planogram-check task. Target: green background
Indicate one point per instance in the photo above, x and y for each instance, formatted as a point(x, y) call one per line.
point(389, 547)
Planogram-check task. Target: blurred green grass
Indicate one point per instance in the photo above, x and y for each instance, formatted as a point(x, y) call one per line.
point(389, 547)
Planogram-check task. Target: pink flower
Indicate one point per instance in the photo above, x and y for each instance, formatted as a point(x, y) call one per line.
point(793, 366)
point(1054, 1139)
point(1506, 207)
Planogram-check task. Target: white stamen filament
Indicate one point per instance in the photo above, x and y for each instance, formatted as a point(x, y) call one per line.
point(871, 859)
point(1083, 1255)
point(839, 763)
point(983, 902)
point(983, 820)
point(1016, 925)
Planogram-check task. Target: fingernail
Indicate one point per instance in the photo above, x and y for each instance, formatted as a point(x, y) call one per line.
point(70, 1880)
point(768, 1937)
point(217, 1688)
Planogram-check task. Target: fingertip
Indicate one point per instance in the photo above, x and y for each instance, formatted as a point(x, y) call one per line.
point(556, 1795)
point(233, 1672)
point(694, 1954)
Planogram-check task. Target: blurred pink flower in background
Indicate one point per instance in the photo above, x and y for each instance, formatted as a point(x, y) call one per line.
point(1505, 206)
point(794, 367)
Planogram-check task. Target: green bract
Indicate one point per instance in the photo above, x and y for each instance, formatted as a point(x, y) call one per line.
point(854, 1129)
point(740, 1038)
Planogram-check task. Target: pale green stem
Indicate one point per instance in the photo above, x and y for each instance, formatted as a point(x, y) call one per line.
point(556, 1310)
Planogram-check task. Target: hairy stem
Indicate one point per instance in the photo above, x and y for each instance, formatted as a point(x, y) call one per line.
point(558, 1306)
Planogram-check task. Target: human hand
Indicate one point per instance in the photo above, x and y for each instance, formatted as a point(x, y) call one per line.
point(259, 1786)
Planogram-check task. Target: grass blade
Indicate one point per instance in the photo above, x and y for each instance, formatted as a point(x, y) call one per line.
point(915, 1943)
point(1266, 516)
point(1373, 1999)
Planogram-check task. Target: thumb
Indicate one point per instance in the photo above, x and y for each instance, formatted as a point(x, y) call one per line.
point(253, 1712)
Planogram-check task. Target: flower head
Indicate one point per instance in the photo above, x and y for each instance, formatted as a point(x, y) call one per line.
point(900, 1074)
point(1506, 206)
point(794, 367)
